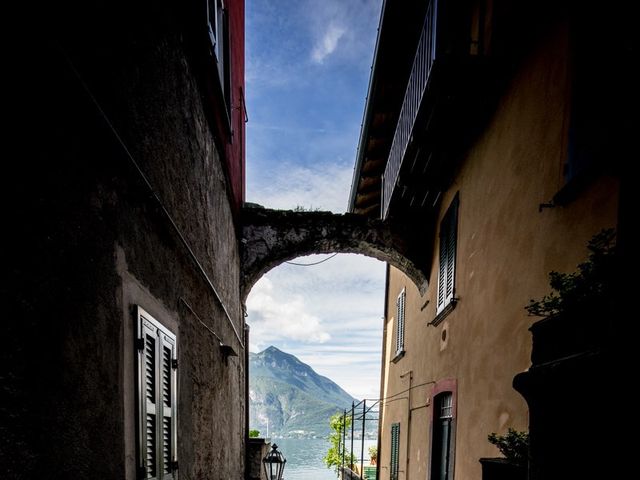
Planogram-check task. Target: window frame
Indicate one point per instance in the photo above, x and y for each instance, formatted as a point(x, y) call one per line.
point(151, 332)
point(446, 388)
point(219, 37)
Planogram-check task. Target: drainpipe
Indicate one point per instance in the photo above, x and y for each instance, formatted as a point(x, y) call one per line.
point(383, 368)
point(246, 401)
point(406, 468)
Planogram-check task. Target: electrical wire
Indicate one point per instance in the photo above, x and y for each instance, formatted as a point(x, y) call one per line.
point(186, 304)
point(153, 192)
point(312, 264)
point(385, 400)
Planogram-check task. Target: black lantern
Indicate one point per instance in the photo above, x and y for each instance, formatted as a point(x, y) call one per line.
point(274, 464)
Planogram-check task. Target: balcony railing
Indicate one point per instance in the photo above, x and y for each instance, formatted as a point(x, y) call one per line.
point(418, 80)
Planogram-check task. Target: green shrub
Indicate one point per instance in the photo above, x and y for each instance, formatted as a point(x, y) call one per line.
point(373, 453)
point(514, 445)
point(588, 289)
point(333, 458)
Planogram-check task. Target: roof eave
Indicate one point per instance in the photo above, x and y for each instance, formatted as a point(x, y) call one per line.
point(366, 118)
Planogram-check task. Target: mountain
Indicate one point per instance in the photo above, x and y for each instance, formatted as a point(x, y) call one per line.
point(291, 395)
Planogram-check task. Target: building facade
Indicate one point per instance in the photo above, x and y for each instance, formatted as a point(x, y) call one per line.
point(484, 129)
point(125, 336)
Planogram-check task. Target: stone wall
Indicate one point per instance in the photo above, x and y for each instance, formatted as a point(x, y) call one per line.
point(118, 197)
point(271, 237)
point(257, 449)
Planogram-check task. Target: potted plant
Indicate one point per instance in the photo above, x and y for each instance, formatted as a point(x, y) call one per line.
point(373, 454)
point(514, 445)
point(574, 310)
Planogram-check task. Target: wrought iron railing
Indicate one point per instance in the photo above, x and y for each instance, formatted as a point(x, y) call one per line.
point(363, 413)
point(418, 80)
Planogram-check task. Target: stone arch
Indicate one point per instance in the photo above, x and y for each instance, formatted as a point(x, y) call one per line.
point(271, 237)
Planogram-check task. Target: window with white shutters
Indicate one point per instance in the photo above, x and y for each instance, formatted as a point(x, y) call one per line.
point(218, 28)
point(157, 399)
point(400, 323)
point(447, 267)
point(395, 451)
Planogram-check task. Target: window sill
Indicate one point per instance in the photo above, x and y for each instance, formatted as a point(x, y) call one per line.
point(398, 356)
point(444, 312)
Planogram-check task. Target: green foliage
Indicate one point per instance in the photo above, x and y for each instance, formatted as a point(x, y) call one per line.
point(333, 458)
point(254, 433)
point(514, 445)
point(373, 452)
point(301, 208)
point(587, 289)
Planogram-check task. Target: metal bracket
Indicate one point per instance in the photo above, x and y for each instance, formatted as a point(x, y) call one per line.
point(546, 205)
point(139, 343)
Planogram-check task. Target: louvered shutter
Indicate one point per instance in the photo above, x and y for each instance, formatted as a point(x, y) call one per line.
point(168, 390)
point(442, 271)
point(400, 321)
point(395, 451)
point(451, 240)
point(156, 399)
point(448, 246)
point(147, 404)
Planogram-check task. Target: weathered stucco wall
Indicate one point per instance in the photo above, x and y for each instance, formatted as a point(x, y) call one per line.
point(506, 248)
point(91, 240)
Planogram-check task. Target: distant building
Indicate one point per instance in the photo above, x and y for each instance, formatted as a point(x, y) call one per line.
point(123, 330)
point(490, 130)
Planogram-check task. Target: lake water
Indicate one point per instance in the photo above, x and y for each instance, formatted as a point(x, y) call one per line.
point(304, 457)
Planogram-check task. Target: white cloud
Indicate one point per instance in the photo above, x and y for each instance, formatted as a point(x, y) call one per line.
point(327, 44)
point(342, 29)
point(276, 318)
point(343, 299)
point(324, 186)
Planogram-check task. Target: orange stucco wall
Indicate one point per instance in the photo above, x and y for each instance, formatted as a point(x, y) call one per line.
point(506, 248)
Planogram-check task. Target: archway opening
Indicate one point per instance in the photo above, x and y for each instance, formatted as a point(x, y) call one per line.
point(316, 325)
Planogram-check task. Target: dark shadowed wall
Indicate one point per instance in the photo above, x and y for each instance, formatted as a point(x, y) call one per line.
point(131, 205)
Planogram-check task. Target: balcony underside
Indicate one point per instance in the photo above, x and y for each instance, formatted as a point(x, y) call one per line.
point(453, 110)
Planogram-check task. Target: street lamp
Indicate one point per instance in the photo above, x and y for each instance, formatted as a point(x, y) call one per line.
point(274, 464)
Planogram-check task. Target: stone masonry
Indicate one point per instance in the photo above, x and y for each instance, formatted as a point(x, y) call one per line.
point(270, 237)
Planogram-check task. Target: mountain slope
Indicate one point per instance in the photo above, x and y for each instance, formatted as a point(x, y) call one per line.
point(288, 393)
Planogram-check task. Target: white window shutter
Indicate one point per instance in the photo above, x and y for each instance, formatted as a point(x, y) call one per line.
point(212, 24)
point(157, 399)
point(448, 247)
point(400, 321)
point(442, 271)
point(168, 370)
point(451, 246)
point(147, 397)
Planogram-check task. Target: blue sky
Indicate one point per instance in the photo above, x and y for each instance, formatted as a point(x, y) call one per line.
point(307, 71)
